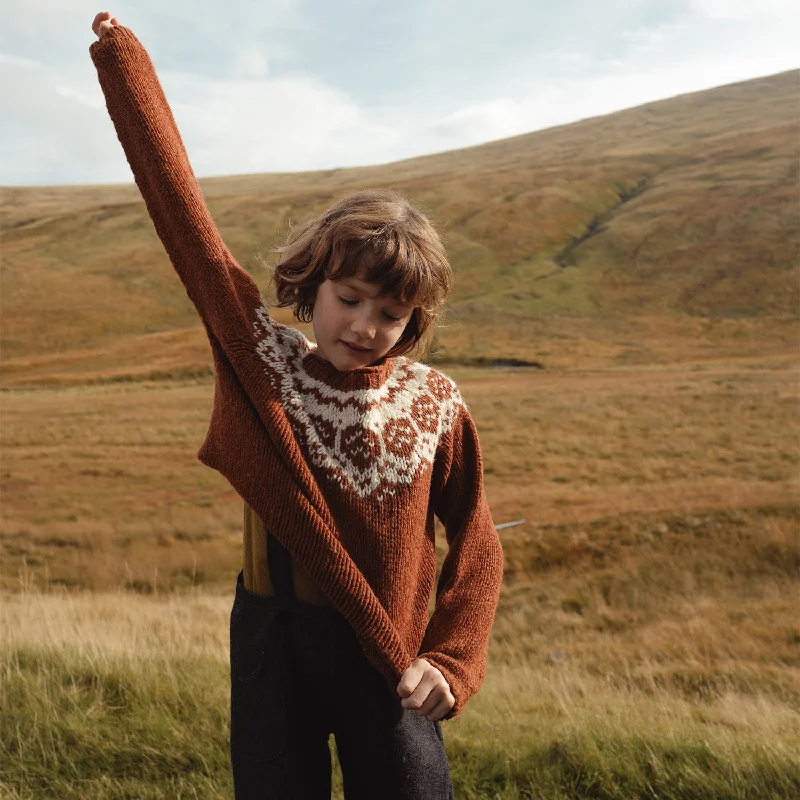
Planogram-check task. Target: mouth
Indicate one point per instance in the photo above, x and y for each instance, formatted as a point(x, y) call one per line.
point(353, 348)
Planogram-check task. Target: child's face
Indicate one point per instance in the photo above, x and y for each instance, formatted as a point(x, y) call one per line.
point(351, 310)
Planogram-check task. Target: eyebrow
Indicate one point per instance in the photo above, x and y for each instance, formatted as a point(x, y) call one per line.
point(351, 282)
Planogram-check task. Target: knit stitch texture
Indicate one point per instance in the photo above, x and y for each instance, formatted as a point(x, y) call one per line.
point(346, 468)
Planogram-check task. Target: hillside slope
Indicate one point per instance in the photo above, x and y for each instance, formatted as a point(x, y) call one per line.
point(667, 232)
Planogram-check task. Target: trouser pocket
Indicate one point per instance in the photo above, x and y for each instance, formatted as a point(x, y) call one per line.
point(258, 701)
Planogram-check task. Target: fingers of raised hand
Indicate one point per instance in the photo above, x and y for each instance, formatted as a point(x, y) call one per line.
point(98, 18)
point(103, 22)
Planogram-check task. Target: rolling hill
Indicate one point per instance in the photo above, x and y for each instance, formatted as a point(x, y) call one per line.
point(664, 233)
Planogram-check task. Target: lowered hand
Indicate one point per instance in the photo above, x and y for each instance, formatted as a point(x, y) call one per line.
point(424, 688)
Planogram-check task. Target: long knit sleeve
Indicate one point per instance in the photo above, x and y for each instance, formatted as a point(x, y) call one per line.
point(219, 288)
point(225, 295)
point(456, 640)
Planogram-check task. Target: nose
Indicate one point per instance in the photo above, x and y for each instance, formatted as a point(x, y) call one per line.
point(364, 327)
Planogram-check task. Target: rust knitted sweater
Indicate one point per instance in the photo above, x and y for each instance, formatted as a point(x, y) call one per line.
point(346, 468)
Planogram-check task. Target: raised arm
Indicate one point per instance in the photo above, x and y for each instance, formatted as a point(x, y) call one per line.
point(223, 293)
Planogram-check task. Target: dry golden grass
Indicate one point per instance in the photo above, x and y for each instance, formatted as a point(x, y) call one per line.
point(646, 642)
point(102, 488)
point(655, 661)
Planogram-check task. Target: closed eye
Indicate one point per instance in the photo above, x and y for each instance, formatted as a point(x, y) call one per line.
point(355, 302)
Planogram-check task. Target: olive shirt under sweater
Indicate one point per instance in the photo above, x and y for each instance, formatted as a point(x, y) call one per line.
point(255, 566)
point(347, 469)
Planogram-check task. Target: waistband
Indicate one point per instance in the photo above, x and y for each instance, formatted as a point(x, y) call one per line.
point(283, 603)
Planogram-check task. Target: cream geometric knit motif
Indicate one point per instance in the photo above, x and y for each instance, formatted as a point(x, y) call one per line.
point(367, 440)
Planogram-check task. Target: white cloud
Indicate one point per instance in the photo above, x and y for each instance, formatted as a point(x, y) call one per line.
point(239, 109)
point(94, 100)
point(46, 134)
point(15, 61)
point(503, 116)
point(262, 125)
point(654, 39)
point(741, 10)
point(250, 63)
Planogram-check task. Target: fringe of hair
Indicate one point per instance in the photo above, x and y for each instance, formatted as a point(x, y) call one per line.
point(381, 236)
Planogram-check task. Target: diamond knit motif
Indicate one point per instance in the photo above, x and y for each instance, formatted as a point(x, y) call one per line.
point(369, 440)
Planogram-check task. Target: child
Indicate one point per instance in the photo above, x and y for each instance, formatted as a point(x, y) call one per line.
point(343, 452)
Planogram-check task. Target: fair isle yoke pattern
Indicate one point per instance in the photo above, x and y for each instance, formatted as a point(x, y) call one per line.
point(367, 440)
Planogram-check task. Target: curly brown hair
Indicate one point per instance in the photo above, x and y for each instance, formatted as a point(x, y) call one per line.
point(380, 236)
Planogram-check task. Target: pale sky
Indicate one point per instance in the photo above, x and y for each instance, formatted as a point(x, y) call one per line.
point(311, 84)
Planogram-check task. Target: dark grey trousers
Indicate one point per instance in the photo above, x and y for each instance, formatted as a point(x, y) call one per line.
point(298, 674)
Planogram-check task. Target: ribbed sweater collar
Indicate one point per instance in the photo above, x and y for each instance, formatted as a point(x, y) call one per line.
point(368, 377)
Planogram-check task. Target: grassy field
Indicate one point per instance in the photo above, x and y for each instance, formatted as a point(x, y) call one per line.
point(110, 695)
point(102, 487)
point(646, 643)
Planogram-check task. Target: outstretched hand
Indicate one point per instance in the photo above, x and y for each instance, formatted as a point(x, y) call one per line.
point(103, 22)
point(425, 689)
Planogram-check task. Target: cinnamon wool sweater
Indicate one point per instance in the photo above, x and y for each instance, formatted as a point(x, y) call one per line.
point(346, 469)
